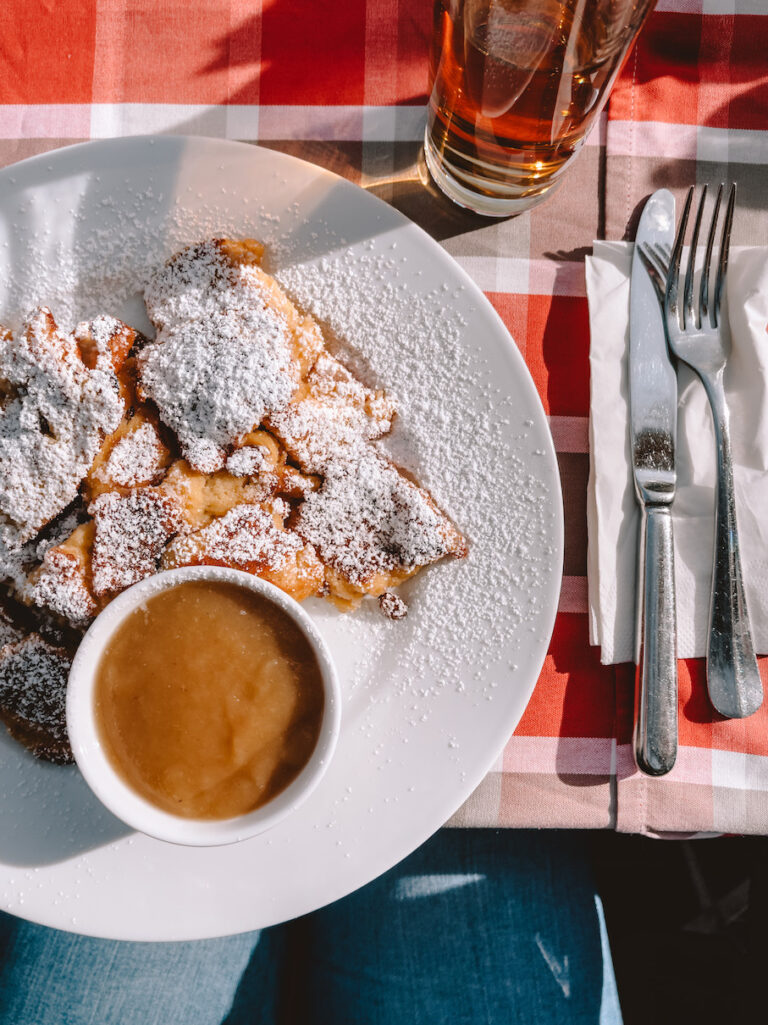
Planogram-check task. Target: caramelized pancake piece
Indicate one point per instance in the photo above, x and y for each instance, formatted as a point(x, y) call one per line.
point(62, 583)
point(252, 538)
point(33, 688)
point(131, 532)
point(119, 546)
point(201, 497)
point(54, 414)
point(255, 473)
point(258, 453)
point(134, 455)
point(104, 343)
point(372, 527)
point(332, 413)
point(230, 348)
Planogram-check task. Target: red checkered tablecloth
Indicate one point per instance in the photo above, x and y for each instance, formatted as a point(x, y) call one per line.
point(343, 83)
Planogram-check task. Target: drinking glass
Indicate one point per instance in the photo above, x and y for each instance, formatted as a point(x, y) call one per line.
point(515, 87)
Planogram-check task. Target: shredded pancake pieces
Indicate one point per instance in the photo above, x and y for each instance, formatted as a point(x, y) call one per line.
point(55, 412)
point(233, 438)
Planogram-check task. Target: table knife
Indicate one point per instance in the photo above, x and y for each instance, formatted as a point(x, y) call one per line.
point(653, 423)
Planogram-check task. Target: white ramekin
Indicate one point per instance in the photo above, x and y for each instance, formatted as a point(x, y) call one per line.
point(109, 786)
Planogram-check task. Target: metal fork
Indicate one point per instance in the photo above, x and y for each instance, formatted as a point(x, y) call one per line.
point(695, 337)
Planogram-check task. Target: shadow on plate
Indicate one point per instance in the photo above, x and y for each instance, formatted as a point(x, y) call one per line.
point(135, 201)
point(48, 811)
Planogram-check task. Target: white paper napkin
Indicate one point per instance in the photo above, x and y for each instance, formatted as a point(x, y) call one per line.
point(612, 512)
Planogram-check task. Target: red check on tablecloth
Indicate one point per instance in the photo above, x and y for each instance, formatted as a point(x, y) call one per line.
point(344, 84)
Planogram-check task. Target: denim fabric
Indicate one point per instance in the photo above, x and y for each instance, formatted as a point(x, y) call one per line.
point(477, 926)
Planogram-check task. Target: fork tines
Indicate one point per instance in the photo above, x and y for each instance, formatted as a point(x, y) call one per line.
point(691, 316)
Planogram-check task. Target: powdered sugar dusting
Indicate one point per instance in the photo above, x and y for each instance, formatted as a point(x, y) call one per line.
point(54, 417)
point(131, 533)
point(103, 342)
point(367, 519)
point(59, 585)
point(222, 358)
point(33, 684)
point(337, 415)
point(248, 461)
point(135, 459)
point(246, 537)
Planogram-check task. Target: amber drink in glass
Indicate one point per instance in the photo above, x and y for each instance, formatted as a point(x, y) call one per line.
point(515, 87)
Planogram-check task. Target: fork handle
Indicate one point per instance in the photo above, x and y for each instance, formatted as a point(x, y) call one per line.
point(733, 679)
point(656, 675)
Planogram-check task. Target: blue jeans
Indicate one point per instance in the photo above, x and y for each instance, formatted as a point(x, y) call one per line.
point(476, 927)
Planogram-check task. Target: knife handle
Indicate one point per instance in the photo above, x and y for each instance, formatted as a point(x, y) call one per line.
point(656, 676)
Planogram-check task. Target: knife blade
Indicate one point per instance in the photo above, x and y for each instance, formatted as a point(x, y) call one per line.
point(653, 436)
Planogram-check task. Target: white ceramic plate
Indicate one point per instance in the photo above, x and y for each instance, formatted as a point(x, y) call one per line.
point(429, 702)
